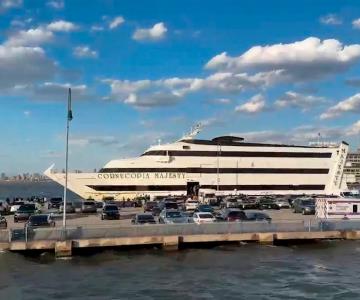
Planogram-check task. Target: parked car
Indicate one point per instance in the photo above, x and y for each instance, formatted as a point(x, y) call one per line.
point(268, 203)
point(55, 202)
point(88, 207)
point(204, 208)
point(168, 205)
point(141, 219)
point(283, 203)
point(257, 216)
point(231, 215)
point(3, 222)
point(110, 212)
point(70, 208)
point(172, 216)
point(306, 206)
point(156, 210)
point(248, 203)
point(203, 217)
point(14, 207)
point(230, 202)
point(191, 204)
point(40, 221)
point(4, 207)
point(24, 212)
point(148, 207)
point(99, 204)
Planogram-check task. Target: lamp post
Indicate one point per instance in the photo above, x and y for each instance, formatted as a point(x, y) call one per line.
point(68, 119)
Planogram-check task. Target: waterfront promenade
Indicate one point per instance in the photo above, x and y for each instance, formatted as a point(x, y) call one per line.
point(90, 232)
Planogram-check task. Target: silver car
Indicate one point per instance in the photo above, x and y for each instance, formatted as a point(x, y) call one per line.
point(172, 216)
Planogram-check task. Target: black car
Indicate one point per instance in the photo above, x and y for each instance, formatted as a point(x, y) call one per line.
point(231, 215)
point(141, 219)
point(258, 216)
point(3, 223)
point(268, 203)
point(24, 212)
point(110, 212)
point(40, 221)
point(156, 210)
point(55, 202)
point(148, 206)
point(168, 205)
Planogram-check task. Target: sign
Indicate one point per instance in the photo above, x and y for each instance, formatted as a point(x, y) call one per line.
point(142, 175)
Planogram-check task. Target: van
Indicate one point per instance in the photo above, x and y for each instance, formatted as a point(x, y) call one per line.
point(89, 207)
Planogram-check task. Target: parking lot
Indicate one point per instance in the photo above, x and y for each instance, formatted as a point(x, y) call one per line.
point(88, 220)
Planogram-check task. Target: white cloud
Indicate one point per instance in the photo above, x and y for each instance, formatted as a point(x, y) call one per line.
point(297, 100)
point(84, 52)
point(152, 100)
point(52, 91)
point(223, 101)
point(353, 82)
point(62, 26)
point(305, 60)
point(330, 19)
point(97, 28)
point(351, 104)
point(56, 4)
point(356, 23)
point(90, 140)
point(116, 22)
point(256, 104)
point(23, 66)
point(6, 4)
point(30, 37)
point(299, 135)
point(157, 32)
point(27, 113)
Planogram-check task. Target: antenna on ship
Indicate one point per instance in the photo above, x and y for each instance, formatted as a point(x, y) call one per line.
point(194, 131)
point(68, 119)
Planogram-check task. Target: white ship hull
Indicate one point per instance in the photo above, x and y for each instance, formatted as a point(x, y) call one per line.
point(230, 168)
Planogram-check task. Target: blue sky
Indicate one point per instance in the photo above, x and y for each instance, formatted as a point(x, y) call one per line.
point(272, 71)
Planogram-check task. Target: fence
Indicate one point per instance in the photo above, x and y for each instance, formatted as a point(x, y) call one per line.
point(174, 229)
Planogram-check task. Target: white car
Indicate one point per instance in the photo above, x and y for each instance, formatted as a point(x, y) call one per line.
point(203, 217)
point(191, 204)
point(15, 207)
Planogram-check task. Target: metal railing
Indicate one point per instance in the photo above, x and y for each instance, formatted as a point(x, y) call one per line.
point(93, 232)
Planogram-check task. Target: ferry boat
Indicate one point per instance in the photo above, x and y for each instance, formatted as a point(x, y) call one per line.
point(226, 164)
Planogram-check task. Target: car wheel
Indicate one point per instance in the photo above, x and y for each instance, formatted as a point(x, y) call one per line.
point(15, 220)
point(102, 217)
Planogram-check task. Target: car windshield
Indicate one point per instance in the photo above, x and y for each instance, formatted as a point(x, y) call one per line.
point(145, 218)
point(89, 203)
point(171, 205)
point(173, 214)
point(110, 208)
point(56, 200)
point(205, 207)
point(40, 219)
point(232, 200)
point(26, 208)
point(307, 202)
point(234, 214)
point(205, 216)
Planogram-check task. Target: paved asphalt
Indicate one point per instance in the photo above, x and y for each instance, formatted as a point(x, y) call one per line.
point(79, 219)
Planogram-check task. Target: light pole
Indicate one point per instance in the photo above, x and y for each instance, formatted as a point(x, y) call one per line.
point(68, 119)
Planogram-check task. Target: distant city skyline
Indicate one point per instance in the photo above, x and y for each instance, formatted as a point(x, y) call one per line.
point(144, 71)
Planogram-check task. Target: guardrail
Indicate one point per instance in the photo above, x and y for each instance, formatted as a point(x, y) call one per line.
point(91, 232)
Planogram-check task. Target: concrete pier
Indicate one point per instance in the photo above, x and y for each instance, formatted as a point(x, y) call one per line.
point(172, 242)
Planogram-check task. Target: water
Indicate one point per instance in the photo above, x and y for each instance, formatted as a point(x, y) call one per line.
point(327, 270)
point(28, 189)
point(318, 271)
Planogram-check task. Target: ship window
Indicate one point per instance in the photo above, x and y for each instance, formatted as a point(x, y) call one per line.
point(186, 147)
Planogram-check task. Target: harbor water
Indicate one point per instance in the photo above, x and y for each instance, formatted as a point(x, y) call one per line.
point(326, 270)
